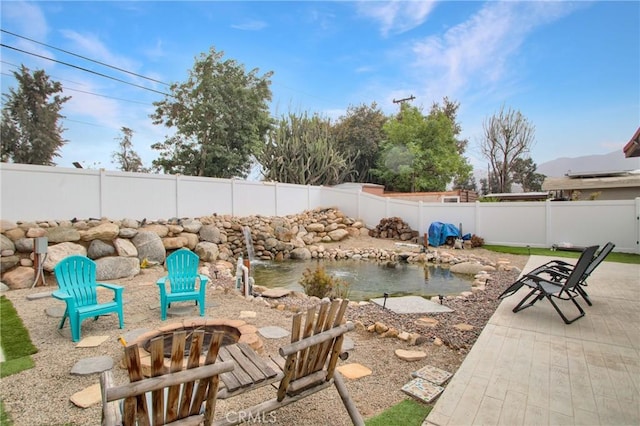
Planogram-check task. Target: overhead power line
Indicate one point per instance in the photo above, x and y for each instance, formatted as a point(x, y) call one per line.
point(85, 58)
point(84, 69)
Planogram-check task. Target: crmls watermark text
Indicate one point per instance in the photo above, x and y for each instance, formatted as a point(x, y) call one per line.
point(247, 417)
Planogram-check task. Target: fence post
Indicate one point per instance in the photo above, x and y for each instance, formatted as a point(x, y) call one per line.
point(547, 224)
point(476, 218)
point(101, 192)
point(637, 200)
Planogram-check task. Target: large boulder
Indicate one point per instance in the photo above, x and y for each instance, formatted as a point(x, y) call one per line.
point(125, 247)
point(99, 248)
point(338, 234)
point(112, 268)
point(301, 253)
point(150, 247)
point(20, 277)
point(6, 244)
point(207, 251)
point(104, 231)
point(62, 234)
point(8, 262)
point(211, 233)
point(57, 252)
point(24, 245)
point(191, 225)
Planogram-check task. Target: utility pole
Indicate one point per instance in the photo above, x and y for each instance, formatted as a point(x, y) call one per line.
point(399, 101)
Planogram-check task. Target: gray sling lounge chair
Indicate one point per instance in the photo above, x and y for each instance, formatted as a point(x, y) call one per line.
point(560, 270)
point(563, 289)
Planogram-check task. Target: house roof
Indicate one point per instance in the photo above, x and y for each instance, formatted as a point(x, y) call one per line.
point(628, 180)
point(519, 196)
point(632, 148)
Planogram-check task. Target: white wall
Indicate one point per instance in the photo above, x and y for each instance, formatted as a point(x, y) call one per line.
point(30, 193)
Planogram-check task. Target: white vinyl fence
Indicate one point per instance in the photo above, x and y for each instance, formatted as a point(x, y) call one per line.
point(35, 193)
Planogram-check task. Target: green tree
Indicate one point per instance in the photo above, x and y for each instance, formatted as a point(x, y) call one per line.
point(302, 150)
point(464, 178)
point(508, 135)
point(30, 131)
point(419, 153)
point(358, 135)
point(524, 173)
point(126, 158)
point(220, 116)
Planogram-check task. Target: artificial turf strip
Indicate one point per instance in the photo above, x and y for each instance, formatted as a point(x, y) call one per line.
point(15, 340)
point(405, 413)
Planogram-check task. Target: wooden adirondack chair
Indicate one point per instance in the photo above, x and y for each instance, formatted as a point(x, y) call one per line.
point(175, 395)
point(76, 276)
point(182, 275)
point(308, 362)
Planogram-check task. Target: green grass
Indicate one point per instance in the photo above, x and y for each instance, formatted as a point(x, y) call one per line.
point(15, 341)
point(527, 251)
point(405, 413)
point(4, 417)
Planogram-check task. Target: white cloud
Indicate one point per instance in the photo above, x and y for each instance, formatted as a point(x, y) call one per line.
point(396, 16)
point(25, 18)
point(93, 48)
point(251, 25)
point(477, 55)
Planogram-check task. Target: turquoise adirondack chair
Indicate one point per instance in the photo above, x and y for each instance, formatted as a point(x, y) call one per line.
point(182, 275)
point(76, 276)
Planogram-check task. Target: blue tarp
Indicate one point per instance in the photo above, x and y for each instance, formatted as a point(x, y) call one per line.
point(438, 233)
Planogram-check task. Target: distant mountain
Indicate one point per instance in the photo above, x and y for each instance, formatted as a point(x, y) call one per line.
point(614, 161)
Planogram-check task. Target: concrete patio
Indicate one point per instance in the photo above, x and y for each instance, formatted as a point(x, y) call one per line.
point(530, 368)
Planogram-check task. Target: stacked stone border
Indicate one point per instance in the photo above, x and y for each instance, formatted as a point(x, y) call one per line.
point(121, 248)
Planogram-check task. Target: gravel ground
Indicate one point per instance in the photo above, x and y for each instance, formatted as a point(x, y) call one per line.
point(40, 396)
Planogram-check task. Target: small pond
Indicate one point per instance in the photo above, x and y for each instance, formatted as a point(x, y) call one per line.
point(368, 279)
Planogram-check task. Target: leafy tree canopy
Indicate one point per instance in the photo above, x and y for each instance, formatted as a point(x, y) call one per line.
point(30, 131)
point(358, 135)
point(220, 116)
point(419, 153)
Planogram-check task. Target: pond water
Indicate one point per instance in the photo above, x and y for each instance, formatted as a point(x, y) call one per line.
point(368, 279)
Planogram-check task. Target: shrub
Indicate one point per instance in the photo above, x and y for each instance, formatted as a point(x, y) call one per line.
point(316, 282)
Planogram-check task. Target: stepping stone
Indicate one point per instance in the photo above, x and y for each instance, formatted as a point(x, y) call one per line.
point(354, 371)
point(427, 322)
point(87, 366)
point(410, 355)
point(55, 311)
point(273, 332)
point(463, 327)
point(91, 341)
point(181, 311)
point(411, 305)
point(422, 389)
point(432, 374)
point(37, 296)
point(247, 314)
point(276, 293)
point(348, 344)
point(87, 396)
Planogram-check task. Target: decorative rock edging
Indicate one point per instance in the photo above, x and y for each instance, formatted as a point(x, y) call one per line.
point(122, 247)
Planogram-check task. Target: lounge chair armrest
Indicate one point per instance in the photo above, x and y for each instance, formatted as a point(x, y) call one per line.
point(115, 287)
point(62, 295)
point(162, 281)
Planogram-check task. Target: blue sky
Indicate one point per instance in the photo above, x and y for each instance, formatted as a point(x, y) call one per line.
point(571, 68)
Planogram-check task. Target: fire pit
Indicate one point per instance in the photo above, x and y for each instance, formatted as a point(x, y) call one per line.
point(235, 331)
